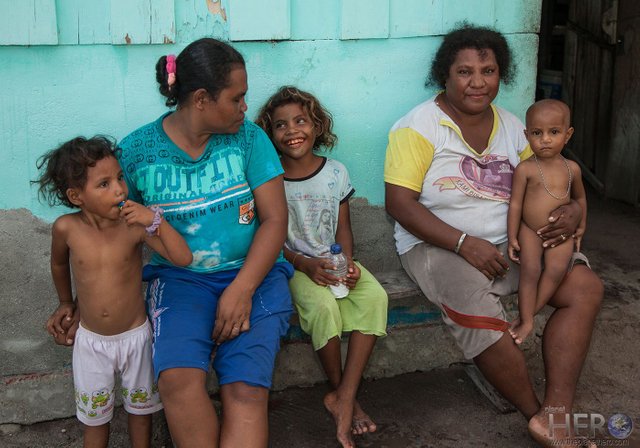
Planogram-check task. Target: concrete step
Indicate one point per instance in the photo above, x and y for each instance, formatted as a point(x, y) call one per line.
point(417, 340)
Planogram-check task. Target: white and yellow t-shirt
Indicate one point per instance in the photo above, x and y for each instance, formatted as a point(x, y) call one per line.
point(467, 190)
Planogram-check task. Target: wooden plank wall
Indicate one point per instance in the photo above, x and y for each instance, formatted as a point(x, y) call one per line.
point(28, 22)
point(82, 22)
point(142, 22)
point(86, 22)
point(623, 181)
point(125, 22)
point(249, 20)
point(588, 76)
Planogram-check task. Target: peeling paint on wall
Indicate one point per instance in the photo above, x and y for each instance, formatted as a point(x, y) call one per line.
point(217, 20)
point(215, 8)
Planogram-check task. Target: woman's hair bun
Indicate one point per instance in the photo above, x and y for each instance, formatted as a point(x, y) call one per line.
point(162, 76)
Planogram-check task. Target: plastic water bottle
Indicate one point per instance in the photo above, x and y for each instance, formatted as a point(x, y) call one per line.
point(338, 259)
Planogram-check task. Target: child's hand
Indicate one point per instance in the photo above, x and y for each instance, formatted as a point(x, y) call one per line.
point(514, 251)
point(353, 275)
point(63, 323)
point(134, 213)
point(70, 328)
point(315, 268)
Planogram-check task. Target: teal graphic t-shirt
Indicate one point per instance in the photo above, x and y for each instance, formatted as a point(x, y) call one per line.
point(209, 201)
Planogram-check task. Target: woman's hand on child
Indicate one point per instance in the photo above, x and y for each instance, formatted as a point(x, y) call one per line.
point(353, 275)
point(316, 270)
point(63, 323)
point(563, 223)
point(134, 213)
point(232, 315)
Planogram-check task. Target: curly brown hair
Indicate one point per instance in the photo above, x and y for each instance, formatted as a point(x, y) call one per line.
point(470, 36)
point(321, 117)
point(67, 166)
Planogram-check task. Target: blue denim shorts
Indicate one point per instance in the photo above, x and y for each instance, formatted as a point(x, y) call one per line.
point(182, 309)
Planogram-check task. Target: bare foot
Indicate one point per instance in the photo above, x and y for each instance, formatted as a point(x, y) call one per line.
point(362, 423)
point(342, 412)
point(519, 330)
point(539, 431)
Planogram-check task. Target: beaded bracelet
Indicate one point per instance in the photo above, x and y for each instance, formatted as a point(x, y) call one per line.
point(157, 220)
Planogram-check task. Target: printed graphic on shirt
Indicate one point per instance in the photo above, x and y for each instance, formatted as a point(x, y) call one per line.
point(208, 200)
point(487, 178)
point(314, 206)
point(314, 234)
point(193, 197)
point(247, 212)
point(168, 181)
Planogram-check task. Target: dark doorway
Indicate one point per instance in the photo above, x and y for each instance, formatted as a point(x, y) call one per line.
point(576, 60)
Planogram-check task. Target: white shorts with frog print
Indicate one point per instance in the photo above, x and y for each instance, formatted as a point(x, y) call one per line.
point(98, 359)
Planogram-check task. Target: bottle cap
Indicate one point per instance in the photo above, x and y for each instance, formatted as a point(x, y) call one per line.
point(336, 248)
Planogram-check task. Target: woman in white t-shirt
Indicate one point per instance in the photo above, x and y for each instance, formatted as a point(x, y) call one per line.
point(448, 176)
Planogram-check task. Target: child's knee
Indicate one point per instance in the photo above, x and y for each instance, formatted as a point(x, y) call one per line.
point(556, 269)
point(530, 272)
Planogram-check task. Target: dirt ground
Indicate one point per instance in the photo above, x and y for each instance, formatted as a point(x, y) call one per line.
point(443, 408)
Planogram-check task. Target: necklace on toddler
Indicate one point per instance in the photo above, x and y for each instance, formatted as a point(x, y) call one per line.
point(544, 183)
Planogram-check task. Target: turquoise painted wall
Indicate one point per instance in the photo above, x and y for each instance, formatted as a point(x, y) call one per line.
point(80, 67)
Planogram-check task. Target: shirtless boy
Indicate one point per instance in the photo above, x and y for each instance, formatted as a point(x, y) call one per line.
point(541, 184)
point(102, 244)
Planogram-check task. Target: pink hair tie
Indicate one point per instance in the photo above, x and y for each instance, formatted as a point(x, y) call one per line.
point(171, 69)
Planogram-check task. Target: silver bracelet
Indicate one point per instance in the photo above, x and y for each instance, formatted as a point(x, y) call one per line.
point(460, 241)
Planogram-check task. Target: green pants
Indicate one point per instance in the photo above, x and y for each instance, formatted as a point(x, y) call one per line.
point(324, 317)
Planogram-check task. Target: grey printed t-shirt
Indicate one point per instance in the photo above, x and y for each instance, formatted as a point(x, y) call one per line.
point(314, 202)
